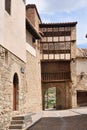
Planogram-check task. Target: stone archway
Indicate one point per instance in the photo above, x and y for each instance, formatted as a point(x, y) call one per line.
point(59, 101)
point(15, 92)
point(63, 95)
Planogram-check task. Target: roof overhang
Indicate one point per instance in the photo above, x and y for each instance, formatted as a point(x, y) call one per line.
point(31, 29)
point(68, 24)
point(33, 6)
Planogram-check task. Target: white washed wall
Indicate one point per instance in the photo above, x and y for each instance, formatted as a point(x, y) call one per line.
point(81, 66)
point(13, 30)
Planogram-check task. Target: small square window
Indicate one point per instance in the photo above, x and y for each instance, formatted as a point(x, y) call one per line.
point(6, 56)
point(8, 6)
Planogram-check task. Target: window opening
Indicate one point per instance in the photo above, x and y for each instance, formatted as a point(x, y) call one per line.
point(8, 6)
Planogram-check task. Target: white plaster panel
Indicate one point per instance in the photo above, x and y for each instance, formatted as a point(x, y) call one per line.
point(1, 21)
point(14, 29)
point(30, 49)
point(81, 66)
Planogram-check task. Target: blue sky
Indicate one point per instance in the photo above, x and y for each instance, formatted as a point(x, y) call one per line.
point(65, 11)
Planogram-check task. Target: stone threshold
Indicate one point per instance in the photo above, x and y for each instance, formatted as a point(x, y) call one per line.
point(35, 118)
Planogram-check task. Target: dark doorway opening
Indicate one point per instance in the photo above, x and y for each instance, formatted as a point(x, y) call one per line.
point(15, 92)
point(50, 98)
point(82, 98)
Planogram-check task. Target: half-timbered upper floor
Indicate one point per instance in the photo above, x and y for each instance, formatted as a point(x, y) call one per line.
point(57, 47)
point(57, 40)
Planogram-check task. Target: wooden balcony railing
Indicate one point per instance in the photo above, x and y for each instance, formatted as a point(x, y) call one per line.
point(54, 77)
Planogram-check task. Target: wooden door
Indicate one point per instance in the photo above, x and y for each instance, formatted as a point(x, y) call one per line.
point(15, 92)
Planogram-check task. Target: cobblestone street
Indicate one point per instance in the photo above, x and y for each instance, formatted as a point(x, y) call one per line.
point(72, 119)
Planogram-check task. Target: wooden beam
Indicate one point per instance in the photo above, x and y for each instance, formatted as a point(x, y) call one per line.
point(59, 33)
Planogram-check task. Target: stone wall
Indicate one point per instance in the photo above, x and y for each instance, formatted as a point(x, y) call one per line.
point(33, 80)
point(78, 83)
point(81, 64)
point(73, 45)
point(29, 75)
point(9, 64)
point(73, 68)
point(33, 66)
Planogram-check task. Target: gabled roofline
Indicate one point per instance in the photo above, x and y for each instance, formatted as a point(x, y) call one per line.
point(31, 29)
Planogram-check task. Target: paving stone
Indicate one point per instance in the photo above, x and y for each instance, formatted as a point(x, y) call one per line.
point(71, 120)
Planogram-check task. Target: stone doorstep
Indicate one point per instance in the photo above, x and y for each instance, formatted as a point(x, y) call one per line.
point(18, 118)
point(17, 122)
point(15, 127)
point(25, 118)
point(35, 118)
point(28, 120)
point(20, 121)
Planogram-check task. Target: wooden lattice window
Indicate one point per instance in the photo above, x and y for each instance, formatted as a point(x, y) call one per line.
point(8, 6)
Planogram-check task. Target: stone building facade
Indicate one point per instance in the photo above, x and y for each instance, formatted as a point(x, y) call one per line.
point(58, 50)
point(33, 67)
point(8, 68)
point(72, 93)
point(19, 63)
point(12, 60)
point(79, 86)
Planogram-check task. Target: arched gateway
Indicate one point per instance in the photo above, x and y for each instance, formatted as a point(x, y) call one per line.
point(57, 56)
